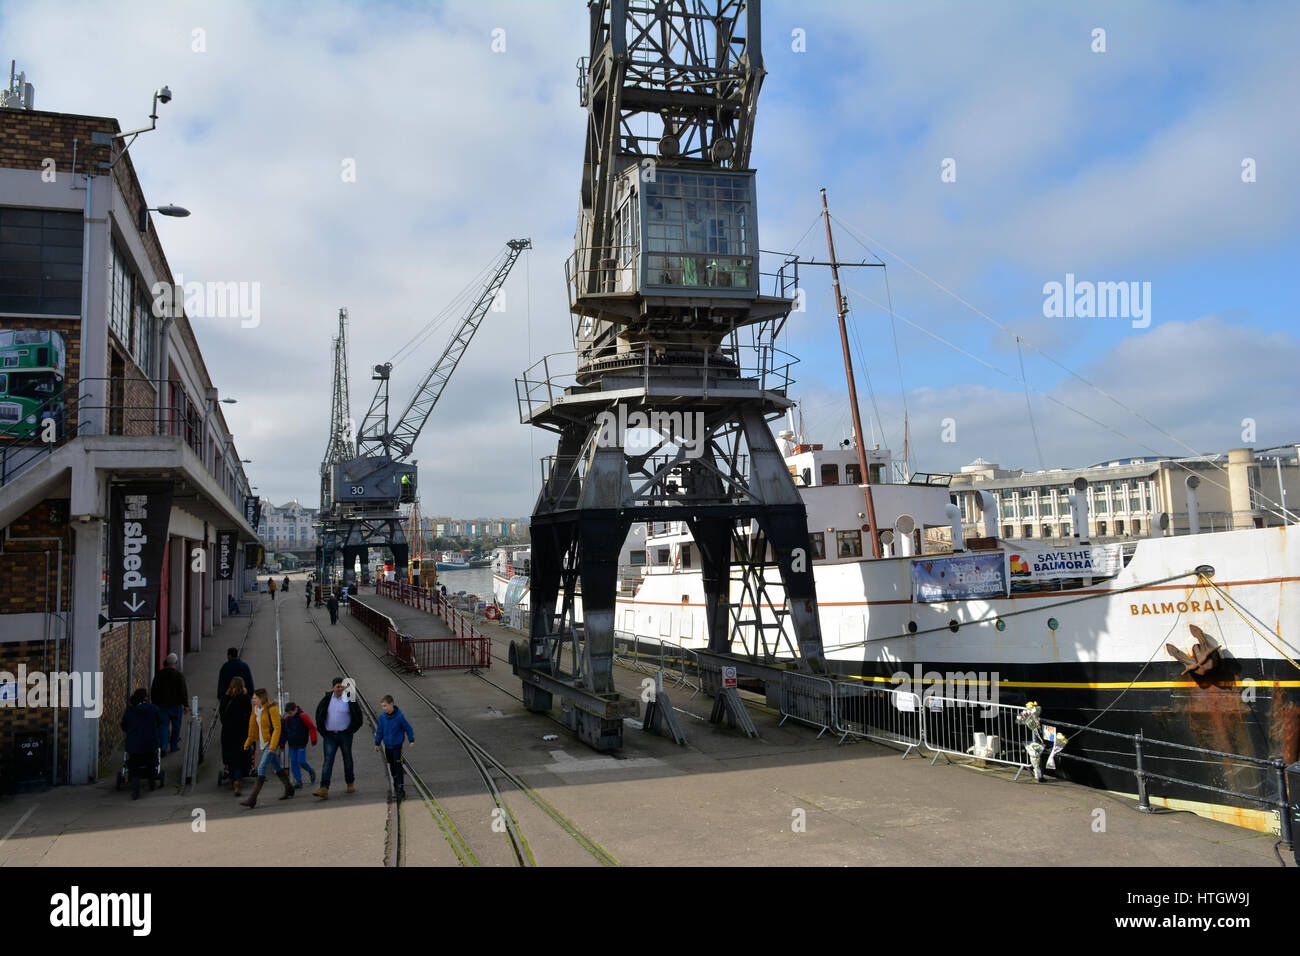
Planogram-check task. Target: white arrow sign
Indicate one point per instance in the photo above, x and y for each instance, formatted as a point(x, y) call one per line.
point(135, 606)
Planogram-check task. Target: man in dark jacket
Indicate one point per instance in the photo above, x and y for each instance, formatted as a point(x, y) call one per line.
point(338, 717)
point(170, 695)
point(332, 605)
point(143, 723)
point(232, 668)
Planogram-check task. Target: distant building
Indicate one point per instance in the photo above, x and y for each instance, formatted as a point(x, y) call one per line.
point(1127, 496)
point(288, 527)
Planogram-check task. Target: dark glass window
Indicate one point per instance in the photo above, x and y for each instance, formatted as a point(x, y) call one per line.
point(817, 540)
point(830, 475)
point(848, 544)
point(40, 262)
point(853, 473)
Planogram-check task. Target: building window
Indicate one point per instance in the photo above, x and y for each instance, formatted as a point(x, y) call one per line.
point(121, 297)
point(830, 474)
point(661, 556)
point(145, 331)
point(1006, 531)
point(40, 261)
point(1137, 526)
point(848, 544)
point(853, 473)
point(686, 555)
point(1029, 531)
point(637, 558)
point(1047, 531)
point(817, 541)
point(1119, 527)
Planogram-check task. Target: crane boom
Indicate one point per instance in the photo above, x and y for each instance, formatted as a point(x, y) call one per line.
point(409, 426)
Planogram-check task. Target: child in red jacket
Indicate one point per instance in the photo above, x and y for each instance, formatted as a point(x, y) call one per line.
point(297, 727)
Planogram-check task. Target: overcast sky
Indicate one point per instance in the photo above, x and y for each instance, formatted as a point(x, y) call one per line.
point(1122, 165)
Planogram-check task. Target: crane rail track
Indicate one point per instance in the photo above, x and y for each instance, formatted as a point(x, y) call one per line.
point(489, 769)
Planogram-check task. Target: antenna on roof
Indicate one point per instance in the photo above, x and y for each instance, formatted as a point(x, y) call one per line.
point(20, 95)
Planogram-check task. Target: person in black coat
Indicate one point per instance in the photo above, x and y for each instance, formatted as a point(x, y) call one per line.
point(232, 668)
point(142, 722)
point(236, 710)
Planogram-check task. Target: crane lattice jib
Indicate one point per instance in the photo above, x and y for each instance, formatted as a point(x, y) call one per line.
point(408, 427)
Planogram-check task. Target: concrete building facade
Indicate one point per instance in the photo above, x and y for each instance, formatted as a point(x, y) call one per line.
point(1126, 497)
point(118, 393)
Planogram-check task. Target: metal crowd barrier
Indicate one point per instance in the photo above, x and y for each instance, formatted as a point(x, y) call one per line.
point(950, 725)
point(886, 714)
point(650, 655)
point(808, 699)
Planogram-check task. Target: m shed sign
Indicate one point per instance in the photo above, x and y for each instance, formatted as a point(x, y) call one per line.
point(139, 514)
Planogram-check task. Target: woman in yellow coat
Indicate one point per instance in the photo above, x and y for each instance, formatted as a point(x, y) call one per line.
point(264, 731)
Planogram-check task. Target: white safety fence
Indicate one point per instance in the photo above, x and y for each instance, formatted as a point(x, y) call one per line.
point(966, 727)
point(879, 713)
point(946, 725)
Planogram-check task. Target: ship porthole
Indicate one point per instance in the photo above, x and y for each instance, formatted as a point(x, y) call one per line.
point(1001, 625)
point(911, 627)
point(953, 625)
point(1053, 623)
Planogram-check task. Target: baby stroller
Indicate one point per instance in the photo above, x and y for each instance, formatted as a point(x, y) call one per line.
point(155, 775)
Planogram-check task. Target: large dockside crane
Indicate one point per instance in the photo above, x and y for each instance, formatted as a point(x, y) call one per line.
point(364, 486)
point(670, 324)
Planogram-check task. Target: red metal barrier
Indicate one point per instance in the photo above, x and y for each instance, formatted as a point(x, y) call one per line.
point(467, 648)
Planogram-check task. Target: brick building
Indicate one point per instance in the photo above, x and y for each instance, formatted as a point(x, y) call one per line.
point(98, 386)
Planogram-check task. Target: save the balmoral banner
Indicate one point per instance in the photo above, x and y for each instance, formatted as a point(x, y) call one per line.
point(1031, 567)
point(138, 515)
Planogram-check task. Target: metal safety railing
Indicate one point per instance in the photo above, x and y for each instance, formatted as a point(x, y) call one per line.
point(466, 648)
point(758, 366)
point(969, 727)
point(887, 714)
point(1259, 780)
point(808, 699)
point(650, 655)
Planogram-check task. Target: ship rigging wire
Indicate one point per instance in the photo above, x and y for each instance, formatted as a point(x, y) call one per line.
point(1097, 388)
point(1052, 398)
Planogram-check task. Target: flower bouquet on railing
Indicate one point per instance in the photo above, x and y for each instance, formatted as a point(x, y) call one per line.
point(1030, 717)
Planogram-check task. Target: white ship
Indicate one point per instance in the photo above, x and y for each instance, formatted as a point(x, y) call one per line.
point(1087, 630)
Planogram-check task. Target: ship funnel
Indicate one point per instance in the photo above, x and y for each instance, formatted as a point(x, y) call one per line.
point(988, 508)
point(903, 529)
point(954, 519)
point(1079, 509)
point(1193, 506)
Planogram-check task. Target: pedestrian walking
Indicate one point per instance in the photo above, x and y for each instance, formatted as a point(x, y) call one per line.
point(298, 728)
point(264, 729)
point(236, 710)
point(308, 590)
point(286, 584)
point(232, 668)
point(338, 718)
point(270, 586)
point(142, 722)
point(171, 696)
point(332, 605)
point(393, 728)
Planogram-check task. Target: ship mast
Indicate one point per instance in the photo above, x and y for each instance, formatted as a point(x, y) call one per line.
point(841, 309)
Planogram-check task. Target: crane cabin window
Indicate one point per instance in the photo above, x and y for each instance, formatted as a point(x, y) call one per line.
point(698, 231)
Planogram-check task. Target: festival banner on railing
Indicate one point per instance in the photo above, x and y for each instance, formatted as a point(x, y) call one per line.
point(1034, 568)
point(959, 577)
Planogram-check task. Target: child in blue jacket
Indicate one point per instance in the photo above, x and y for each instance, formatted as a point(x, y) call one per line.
point(393, 728)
